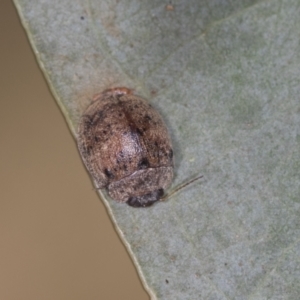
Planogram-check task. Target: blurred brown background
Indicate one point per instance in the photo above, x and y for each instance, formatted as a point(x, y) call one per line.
point(56, 239)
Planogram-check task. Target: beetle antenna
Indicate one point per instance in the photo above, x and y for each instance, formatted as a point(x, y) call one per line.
point(176, 190)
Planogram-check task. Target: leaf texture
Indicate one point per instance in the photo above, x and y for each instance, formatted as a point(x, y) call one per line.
point(225, 77)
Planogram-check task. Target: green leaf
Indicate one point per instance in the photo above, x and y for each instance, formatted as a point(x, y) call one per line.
point(225, 75)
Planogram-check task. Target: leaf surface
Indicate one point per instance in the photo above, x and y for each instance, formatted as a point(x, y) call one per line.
point(225, 77)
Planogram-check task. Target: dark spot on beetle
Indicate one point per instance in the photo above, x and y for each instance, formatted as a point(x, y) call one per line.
point(143, 163)
point(109, 174)
point(171, 154)
point(148, 118)
point(134, 202)
point(96, 139)
point(125, 167)
point(120, 114)
point(167, 281)
point(136, 106)
point(145, 200)
point(104, 132)
point(156, 144)
point(160, 192)
point(140, 132)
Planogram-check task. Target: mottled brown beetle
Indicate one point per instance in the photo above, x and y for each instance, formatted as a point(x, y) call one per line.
point(126, 147)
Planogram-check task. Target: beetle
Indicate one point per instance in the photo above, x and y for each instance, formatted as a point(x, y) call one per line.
point(126, 147)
